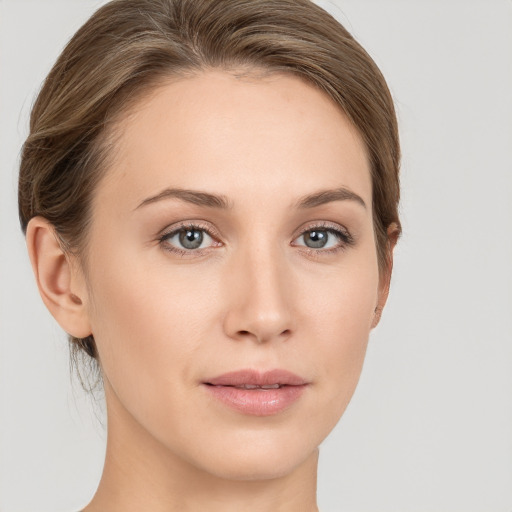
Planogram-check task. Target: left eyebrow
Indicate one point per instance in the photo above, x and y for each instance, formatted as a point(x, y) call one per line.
point(328, 196)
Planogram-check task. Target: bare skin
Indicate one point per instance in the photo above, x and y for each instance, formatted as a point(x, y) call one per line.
point(260, 292)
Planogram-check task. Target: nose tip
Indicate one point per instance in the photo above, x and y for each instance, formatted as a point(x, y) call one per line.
point(263, 330)
point(260, 305)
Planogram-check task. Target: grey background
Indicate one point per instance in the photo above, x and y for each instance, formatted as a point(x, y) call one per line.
point(430, 426)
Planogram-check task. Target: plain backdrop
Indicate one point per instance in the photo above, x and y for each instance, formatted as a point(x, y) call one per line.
point(430, 426)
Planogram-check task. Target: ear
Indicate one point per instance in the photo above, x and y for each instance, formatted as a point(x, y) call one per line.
point(385, 278)
point(60, 283)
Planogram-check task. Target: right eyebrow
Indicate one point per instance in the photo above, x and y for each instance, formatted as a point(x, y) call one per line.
point(190, 196)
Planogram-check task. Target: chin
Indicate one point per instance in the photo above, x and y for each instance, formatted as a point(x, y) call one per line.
point(258, 468)
point(256, 457)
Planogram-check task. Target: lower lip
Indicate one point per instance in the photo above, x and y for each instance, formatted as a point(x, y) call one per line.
point(257, 402)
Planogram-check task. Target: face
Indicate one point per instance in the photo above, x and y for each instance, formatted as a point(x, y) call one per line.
point(233, 237)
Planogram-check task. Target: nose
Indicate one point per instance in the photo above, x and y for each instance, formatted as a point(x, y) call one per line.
point(260, 291)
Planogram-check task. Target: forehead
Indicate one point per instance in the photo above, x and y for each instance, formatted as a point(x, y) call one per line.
point(236, 135)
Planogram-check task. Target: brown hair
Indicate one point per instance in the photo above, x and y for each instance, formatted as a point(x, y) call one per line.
point(128, 46)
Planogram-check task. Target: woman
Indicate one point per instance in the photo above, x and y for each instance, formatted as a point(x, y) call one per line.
point(209, 193)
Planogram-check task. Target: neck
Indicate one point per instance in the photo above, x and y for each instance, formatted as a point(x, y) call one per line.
point(141, 474)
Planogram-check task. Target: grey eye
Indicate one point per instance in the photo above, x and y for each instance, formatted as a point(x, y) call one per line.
point(191, 238)
point(188, 238)
point(316, 239)
point(323, 238)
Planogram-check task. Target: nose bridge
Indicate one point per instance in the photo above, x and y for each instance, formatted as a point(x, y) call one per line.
point(260, 305)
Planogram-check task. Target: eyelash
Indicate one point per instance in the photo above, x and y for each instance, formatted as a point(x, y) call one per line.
point(345, 238)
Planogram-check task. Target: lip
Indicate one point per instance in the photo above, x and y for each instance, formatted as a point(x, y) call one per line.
point(228, 389)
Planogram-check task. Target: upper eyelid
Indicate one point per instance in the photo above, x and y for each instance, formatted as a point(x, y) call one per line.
point(328, 226)
point(198, 225)
point(323, 224)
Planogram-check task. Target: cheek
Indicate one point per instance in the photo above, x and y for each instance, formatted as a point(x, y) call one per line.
point(345, 302)
point(340, 321)
point(146, 321)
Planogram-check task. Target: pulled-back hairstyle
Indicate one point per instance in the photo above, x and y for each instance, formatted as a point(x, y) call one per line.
point(130, 46)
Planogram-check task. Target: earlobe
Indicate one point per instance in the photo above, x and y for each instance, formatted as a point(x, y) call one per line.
point(60, 286)
point(393, 233)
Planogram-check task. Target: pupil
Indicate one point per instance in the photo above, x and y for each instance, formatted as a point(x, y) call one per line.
point(316, 238)
point(191, 238)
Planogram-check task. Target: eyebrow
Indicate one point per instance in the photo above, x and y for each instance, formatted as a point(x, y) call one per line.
point(222, 202)
point(328, 196)
point(190, 196)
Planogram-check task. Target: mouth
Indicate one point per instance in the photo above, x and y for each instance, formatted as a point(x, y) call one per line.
point(257, 393)
point(251, 386)
point(252, 379)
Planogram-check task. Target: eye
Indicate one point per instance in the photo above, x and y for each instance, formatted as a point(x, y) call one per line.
point(187, 238)
point(326, 238)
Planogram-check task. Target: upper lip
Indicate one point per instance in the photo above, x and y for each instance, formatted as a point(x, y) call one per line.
point(257, 378)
